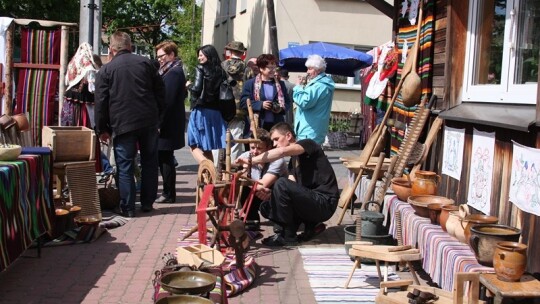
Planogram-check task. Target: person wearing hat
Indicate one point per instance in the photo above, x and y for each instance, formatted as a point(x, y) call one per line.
point(235, 67)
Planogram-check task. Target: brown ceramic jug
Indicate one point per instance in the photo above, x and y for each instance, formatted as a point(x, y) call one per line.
point(425, 183)
point(445, 213)
point(453, 223)
point(510, 261)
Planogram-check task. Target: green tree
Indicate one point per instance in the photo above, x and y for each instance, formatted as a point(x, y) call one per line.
point(151, 22)
point(57, 10)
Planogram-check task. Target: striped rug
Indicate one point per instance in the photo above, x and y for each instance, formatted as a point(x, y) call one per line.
point(328, 270)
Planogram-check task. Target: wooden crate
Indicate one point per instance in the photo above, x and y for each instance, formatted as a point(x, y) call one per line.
point(196, 255)
point(69, 144)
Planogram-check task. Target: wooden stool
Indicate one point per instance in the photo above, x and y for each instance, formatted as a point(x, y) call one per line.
point(387, 254)
point(457, 296)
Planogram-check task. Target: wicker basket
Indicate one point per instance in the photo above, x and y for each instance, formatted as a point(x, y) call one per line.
point(109, 198)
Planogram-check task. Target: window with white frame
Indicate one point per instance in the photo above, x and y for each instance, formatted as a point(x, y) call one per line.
point(503, 43)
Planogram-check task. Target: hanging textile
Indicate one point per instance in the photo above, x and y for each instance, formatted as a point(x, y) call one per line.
point(406, 36)
point(377, 78)
point(37, 88)
point(5, 22)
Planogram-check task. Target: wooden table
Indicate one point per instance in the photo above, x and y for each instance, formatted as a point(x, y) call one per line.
point(26, 205)
point(527, 287)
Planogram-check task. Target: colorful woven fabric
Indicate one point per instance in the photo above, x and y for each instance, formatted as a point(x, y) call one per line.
point(405, 39)
point(37, 88)
point(328, 269)
point(443, 256)
point(26, 207)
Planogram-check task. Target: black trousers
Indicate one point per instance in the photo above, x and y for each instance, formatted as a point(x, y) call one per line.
point(168, 173)
point(292, 204)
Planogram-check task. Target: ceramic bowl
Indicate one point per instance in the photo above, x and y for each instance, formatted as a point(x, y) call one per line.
point(10, 152)
point(420, 202)
point(401, 187)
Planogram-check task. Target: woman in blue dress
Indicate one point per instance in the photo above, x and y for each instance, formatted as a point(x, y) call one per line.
point(206, 128)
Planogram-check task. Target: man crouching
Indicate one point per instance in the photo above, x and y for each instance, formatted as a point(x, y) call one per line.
point(309, 195)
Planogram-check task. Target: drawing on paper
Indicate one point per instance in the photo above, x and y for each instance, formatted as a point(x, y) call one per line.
point(525, 179)
point(481, 171)
point(453, 152)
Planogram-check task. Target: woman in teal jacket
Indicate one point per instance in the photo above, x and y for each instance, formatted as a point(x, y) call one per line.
point(313, 101)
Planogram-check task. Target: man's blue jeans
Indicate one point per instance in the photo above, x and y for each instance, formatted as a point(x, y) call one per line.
point(125, 151)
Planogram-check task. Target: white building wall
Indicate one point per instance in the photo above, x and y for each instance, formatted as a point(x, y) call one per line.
point(344, 22)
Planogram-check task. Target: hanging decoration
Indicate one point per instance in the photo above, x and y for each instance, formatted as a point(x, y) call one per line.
point(454, 140)
point(525, 180)
point(481, 172)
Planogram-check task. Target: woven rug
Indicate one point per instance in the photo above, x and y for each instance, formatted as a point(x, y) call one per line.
point(328, 270)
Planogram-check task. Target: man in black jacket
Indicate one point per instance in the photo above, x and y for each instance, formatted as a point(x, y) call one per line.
point(309, 195)
point(129, 100)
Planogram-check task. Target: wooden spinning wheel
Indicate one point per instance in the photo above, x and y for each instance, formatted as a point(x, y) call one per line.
point(206, 175)
point(217, 198)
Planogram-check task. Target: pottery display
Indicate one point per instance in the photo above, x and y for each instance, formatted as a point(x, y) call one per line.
point(401, 187)
point(484, 238)
point(420, 202)
point(453, 223)
point(435, 213)
point(445, 213)
point(425, 183)
point(472, 220)
point(510, 261)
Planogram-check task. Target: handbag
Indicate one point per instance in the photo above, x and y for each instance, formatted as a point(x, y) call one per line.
point(227, 104)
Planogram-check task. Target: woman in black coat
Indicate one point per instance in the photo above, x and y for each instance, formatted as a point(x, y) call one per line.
point(171, 134)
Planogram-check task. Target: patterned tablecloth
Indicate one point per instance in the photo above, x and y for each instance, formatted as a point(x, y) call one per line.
point(443, 255)
point(26, 205)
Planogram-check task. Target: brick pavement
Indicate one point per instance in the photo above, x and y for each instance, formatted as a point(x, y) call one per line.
point(119, 266)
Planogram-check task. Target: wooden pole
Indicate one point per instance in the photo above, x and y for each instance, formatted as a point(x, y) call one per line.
point(63, 66)
point(8, 93)
point(273, 27)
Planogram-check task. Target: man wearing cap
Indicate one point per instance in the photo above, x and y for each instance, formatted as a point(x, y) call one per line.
point(235, 67)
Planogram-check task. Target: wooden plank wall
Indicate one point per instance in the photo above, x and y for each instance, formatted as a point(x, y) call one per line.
point(439, 52)
point(451, 17)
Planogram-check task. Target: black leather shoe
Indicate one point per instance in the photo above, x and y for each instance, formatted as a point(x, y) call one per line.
point(163, 200)
point(146, 209)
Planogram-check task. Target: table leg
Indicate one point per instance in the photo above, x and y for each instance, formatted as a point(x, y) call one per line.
point(378, 264)
point(413, 273)
point(385, 271)
point(356, 264)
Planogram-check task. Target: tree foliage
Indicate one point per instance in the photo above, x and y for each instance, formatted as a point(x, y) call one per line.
point(148, 21)
point(153, 21)
point(56, 10)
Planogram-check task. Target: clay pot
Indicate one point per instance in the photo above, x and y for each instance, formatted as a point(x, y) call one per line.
point(453, 223)
point(445, 213)
point(435, 213)
point(401, 187)
point(477, 219)
point(510, 261)
point(425, 183)
point(484, 238)
point(22, 121)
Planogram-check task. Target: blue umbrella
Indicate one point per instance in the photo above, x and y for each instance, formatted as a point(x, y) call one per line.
point(339, 60)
